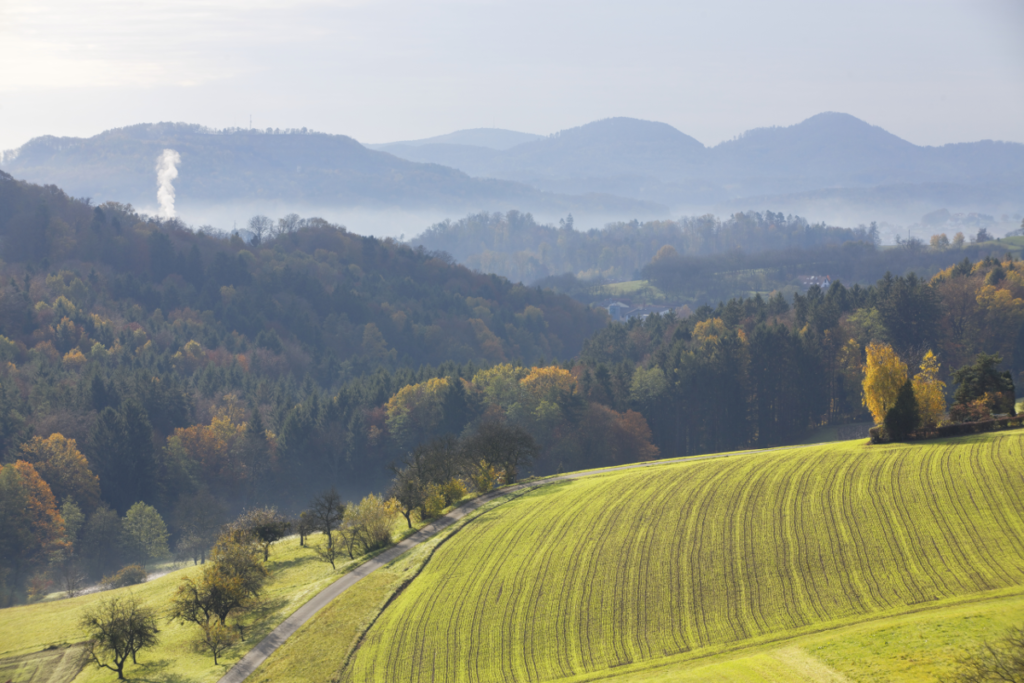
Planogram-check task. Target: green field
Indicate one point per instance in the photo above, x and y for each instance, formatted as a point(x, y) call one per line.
point(296, 576)
point(635, 574)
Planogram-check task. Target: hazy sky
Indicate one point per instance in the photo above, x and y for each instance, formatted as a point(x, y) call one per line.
point(930, 71)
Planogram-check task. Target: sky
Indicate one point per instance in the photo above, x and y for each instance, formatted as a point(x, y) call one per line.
point(929, 71)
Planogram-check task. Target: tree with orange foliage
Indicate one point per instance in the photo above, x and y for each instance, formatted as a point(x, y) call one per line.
point(59, 462)
point(30, 524)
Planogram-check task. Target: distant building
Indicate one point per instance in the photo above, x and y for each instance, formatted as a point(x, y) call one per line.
point(617, 310)
point(808, 281)
point(621, 312)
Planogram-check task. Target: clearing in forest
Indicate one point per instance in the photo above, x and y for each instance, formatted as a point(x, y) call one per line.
point(619, 571)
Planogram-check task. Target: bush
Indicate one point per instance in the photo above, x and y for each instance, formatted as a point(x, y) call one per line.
point(453, 491)
point(486, 477)
point(435, 502)
point(127, 576)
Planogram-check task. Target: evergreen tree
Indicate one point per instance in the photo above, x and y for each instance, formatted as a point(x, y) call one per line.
point(902, 418)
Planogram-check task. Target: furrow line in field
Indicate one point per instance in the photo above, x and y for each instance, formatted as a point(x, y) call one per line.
point(698, 576)
point(801, 575)
point(764, 585)
point(974, 564)
point(994, 495)
point(1009, 497)
point(844, 572)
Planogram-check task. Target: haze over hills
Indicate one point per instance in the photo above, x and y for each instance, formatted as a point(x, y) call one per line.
point(831, 167)
point(295, 169)
point(491, 138)
point(827, 166)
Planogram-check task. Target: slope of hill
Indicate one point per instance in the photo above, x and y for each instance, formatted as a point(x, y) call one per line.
point(630, 570)
point(311, 169)
point(488, 138)
point(656, 162)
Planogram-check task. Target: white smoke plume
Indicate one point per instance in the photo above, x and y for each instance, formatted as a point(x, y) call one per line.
point(166, 172)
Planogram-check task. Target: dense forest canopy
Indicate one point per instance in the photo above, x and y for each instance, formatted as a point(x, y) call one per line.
point(516, 246)
point(147, 363)
point(692, 260)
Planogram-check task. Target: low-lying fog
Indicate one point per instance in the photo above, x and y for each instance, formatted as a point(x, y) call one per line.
point(915, 221)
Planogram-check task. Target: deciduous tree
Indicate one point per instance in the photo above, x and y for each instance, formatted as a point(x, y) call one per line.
point(884, 374)
point(65, 469)
point(929, 391)
point(119, 627)
point(145, 534)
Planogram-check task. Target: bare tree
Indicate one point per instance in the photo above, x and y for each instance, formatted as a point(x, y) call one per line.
point(409, 490)
point(287, 225)
point(304, 526)
point(327, 511)
point(330, 551)
point(119, 628)
point(67, 570)
point(1002, 660)
point(259, 226)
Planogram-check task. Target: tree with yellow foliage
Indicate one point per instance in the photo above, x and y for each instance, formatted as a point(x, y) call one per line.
point(884, 374)
point(929, 392)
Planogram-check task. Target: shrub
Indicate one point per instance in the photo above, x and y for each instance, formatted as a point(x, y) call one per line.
point(127, 576)
point(453, 491)
point(434, 503)
point(485, 477)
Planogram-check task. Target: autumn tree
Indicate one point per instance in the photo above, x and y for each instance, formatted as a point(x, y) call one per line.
point(372, 521)
point(59, 462)
point(416, 410)
point(229, 583)
point(884, 374)
point(929, 392)
point(31, 526)
point(119, 627)
point(982, 381)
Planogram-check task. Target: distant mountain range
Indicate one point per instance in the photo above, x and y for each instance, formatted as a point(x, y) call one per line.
point(831, 167)
point(294, 167)
point(832, 159)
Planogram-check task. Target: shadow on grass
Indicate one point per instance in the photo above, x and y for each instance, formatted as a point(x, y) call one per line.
point(155, 672)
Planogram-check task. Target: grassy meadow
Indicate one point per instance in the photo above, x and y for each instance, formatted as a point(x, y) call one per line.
point(295, 576)
point(847, 546)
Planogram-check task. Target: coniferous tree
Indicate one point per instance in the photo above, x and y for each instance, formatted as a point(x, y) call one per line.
point(902, 418)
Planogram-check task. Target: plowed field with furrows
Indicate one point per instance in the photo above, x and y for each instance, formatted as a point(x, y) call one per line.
point(632, 566)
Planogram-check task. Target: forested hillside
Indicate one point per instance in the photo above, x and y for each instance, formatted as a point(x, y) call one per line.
point(761, 371)
point(175, 362)
point(695, 260)
point(143, 361)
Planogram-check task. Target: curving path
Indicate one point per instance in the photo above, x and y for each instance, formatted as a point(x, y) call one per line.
point(256, 656)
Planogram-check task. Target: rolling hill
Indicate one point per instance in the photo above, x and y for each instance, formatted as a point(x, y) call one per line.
point(855, 161)
point(299, 168)
point(635, 570)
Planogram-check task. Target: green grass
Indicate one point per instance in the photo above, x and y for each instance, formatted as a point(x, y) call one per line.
point(296, 576)
point(320, 649)
point(635, 289)
point(630, 571)
point(50, 666)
